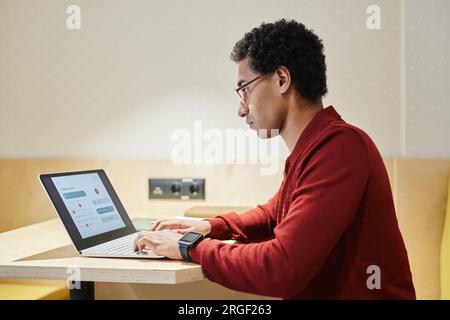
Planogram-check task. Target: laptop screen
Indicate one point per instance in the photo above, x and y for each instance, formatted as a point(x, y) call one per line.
point(88, 207)
point(89, 204)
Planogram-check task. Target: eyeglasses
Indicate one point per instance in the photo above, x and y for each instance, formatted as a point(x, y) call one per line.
point(243, 91)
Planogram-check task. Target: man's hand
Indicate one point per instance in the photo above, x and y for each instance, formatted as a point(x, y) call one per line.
point(182, 226)
point(164, 243)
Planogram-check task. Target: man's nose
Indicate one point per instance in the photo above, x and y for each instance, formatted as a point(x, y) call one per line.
point(242, 110)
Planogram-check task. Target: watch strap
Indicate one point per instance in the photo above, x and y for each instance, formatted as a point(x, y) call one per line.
point(184, 250)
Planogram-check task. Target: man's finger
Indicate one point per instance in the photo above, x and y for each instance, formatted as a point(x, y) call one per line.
point(135, 242)
point(184, 231)
point(140, 234)
point(147, 243)
point(167, 225)
point(155, 224)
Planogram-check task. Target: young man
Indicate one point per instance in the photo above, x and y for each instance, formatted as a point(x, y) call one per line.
point(330, 232)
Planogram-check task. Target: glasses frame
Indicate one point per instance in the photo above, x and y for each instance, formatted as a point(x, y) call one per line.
point(243, 86)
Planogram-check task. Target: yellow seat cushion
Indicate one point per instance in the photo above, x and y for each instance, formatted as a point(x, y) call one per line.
point(445, 254)
point(18, 291)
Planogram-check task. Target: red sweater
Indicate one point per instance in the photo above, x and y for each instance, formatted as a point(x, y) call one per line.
point(319, 237)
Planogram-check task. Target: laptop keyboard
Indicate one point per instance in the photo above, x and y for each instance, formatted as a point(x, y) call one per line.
point(122, 247)
point(119, 248)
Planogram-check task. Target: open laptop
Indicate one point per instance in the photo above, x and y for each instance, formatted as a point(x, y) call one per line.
point(93, 215)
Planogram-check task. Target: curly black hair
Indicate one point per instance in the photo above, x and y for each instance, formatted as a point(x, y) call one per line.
point(289, 44)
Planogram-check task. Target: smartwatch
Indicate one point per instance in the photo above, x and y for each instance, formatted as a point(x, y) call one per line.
point(189, 240)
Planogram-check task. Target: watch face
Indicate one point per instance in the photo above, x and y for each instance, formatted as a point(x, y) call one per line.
point(190, 237)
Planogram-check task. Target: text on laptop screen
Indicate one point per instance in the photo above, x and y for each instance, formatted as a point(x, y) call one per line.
point(88, 203)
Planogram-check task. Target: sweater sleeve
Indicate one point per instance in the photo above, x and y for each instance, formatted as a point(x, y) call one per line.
point(325, 199)
point(251, 226)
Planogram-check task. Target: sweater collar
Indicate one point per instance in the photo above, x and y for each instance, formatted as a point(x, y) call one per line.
point(314, 127)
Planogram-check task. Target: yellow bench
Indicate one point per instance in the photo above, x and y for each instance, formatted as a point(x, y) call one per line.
point(445, 254)
point(23, 291)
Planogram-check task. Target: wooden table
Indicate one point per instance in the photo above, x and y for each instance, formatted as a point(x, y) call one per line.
point(44, 251)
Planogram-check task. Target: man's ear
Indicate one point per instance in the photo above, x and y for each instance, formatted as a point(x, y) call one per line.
point(283, 78)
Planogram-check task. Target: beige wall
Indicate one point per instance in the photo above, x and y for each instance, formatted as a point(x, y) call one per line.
point(427, 69)
point(138, 70)
point(122, 84)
